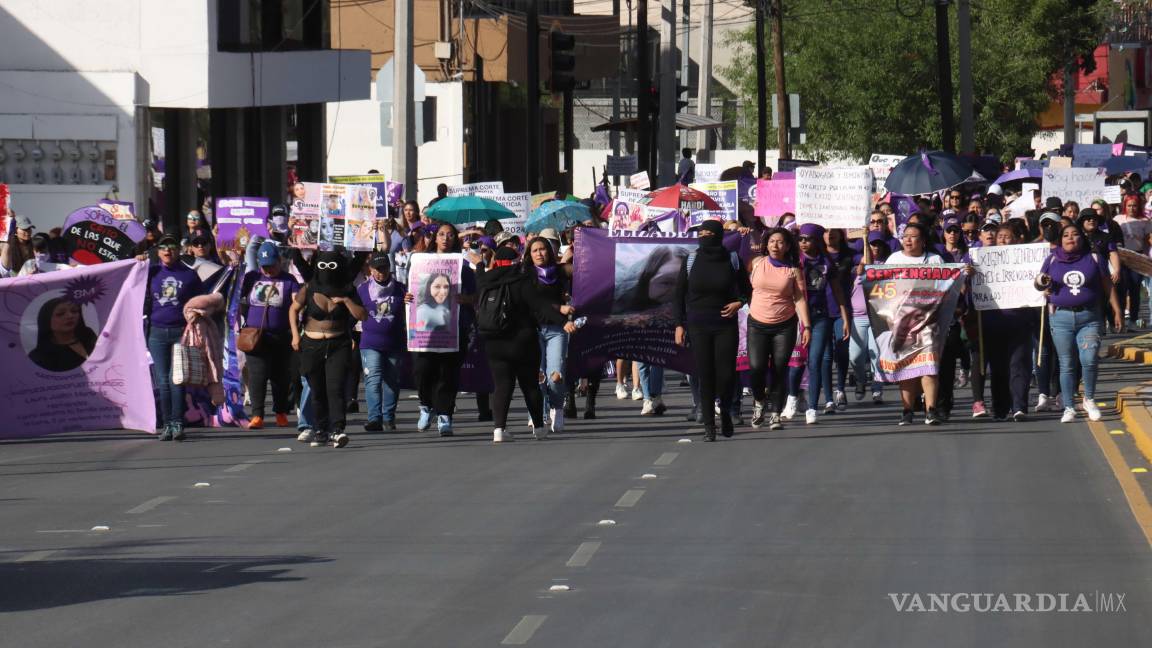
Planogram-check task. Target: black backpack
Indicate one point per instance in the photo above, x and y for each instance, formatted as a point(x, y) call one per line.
point(493, 311)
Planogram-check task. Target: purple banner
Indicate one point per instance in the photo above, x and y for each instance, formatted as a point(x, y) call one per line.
point(73, 351)
point(238, 220)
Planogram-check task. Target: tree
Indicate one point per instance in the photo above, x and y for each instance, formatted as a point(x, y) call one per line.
point(867, 75)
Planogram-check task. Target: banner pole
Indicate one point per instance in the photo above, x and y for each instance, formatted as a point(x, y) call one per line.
point(980, 333)
point(1040, 347)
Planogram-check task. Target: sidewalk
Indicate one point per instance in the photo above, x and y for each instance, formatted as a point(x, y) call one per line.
point(1134, 403)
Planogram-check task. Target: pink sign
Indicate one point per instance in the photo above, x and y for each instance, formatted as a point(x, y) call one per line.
point(775, 197)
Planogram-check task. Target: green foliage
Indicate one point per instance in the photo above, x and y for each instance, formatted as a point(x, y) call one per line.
point(867, 79)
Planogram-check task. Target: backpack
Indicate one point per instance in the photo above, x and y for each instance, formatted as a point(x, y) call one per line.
point(734, 258)
point(493, 311)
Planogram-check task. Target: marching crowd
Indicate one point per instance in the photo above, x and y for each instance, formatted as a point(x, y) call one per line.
point(313, 325)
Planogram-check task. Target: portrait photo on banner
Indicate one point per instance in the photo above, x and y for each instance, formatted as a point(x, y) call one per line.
point(434, 314)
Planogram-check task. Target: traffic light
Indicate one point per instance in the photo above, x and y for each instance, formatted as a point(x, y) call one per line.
point(654, 100)
point(563, 62)
point(681, 91)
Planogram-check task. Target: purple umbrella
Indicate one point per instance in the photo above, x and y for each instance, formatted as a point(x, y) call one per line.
point(1020, 174)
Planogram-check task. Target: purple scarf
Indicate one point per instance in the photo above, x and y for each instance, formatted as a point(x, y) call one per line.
point(546, 274)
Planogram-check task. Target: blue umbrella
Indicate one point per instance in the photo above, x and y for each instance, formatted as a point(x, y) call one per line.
point(468, 209)
point(927, 172)
point(1020, 174)
point(558, 215)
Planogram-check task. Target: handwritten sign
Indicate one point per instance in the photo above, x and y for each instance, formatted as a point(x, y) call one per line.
point(639, 181)
point(1079, 185)
point(833, 197)
point(1004, 276)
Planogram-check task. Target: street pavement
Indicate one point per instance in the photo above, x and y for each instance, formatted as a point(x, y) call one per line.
point(802, 537)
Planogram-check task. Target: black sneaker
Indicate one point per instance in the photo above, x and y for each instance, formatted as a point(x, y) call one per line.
point(178, 433)
point(390, 426)
point(710, 432)
point(482, 417)
point(932, 418)
point(166, 434)
point(726, 427)
point(353, 407)
point(906, 418)
point(339, 439)
point(320, 439)
point(374, 426)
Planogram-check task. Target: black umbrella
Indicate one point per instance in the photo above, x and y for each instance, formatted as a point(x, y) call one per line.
point(927, 172)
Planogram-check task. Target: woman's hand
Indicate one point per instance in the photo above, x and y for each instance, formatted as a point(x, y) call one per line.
point(805, 337)
point(679, 336)
point(295, 342)
point(730, 309)
point(408, 298)
point(1118, 323)
point(968, 270)
point(567, 310)
point(570, 328)
point(846, 321)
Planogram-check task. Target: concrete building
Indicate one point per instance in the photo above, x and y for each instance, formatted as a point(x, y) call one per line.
point(164, 102)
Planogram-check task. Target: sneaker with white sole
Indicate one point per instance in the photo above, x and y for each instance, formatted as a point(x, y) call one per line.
point(540, 433)
point(1044, 404)
point(1092, 410)
point(1069, 415)
point(621, 391)
point(810, 417)
point(340, 439)
point(877, 397)
point(830, 407)
point(499, 435)
point(840, 399)
point(648, 409)
point(307, 435)
point(757, 414)
point(658, 406)
point(637, 394)
point(557, 416)
point(774, 422)
point(425, 420)
point(789, 408)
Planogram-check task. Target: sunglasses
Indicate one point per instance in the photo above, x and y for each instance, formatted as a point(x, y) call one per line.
point(327, 265)
point(168, 247)
point(199, 244)
point(877, 222)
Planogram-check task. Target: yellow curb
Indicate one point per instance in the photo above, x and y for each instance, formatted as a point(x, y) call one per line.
point(1133, 493)
point(1137, 418)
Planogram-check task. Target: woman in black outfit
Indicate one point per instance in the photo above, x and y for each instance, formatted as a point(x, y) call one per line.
point(707, 299)
point(511, 341)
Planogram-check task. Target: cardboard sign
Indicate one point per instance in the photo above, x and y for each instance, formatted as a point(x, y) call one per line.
point(1090, 156)
point(833, 197)
point(774, 198)
point(708, 172)
point(1004, 275)
point(1113, 194)
point(238, 220)
point(1079, 185)
point(639, 181)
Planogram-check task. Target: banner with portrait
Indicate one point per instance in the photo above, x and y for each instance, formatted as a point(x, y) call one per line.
point(910, 309)
point(304, 215)
point(434, 314)
point(238, 221)
point(388, 192)
point(73, 351)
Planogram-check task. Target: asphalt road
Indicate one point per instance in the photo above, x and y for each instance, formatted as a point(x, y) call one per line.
point(790, 538)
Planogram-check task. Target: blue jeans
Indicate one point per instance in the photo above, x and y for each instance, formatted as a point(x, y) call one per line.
point(820, 343)
point(837, 348)
point(304, 412)
point(1076, 334)
point(553, 351)
point(863, 352)
point(651, 381)
point(160, 341)
point(381, 383)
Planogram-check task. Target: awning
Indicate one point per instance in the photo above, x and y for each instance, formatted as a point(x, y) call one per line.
point(684, 121)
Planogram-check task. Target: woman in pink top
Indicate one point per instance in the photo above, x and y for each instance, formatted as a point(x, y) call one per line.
point(778, 303)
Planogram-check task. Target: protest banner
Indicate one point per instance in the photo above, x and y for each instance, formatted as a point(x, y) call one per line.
point(1090, 156)
point(477, 189)
point(774, 198)
point(1003, 276)
point(120, 209)
point(1136, 262)
point(621, 165)
point(695, 218)
point(1031, 164)
point(1079, 185)
point(517, 203)
point(73, 351)
point(792, 165)
point(623, 284)
point(304, 215)
point(434, 315)
point(387, 191)
point(639, 180)
point(910, 309)
point(833, 197)
point(93, 235)
point(238, 220)
point(724, 193)
point(662, 219)
point(1112, 194)
point(631, 195)
point(626, 215)
point(708, 172)
point(746, 189)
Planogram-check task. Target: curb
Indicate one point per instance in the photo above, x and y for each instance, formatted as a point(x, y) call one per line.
point(1137, 349)
point(1133, 403)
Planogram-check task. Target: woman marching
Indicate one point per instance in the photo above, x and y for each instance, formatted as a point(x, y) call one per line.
point(267, 296)
point(823, 307)
point(1073, 279)
point(552, 285)
point(711, 288)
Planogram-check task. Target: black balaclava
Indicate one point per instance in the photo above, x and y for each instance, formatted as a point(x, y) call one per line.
point(331, 276)
point(712, 245)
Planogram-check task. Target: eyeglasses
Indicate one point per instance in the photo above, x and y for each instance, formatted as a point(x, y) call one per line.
point(327, 265)
point(877, 222)
point(805, 238)
point(167, 247)
point(199, 244)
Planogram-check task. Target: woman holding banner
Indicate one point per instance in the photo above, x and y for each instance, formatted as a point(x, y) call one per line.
point(1073, 278)
point(862, 349)
point(1009, 350)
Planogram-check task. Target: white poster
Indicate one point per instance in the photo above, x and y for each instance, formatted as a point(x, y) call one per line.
point(707, 172)
point(631, 195)
point(640, 181)
point(477, 188)
point(517, 203)
point(834, 197)
point(881, 165)
point(1079, 185)
point(1004, 275)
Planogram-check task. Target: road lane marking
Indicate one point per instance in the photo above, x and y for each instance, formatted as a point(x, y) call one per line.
point(629, 498)
point(35, 556)
point(583, 554)
point(65, 531)
point(244, 466)
point(150, 504)
point(524, 630)
point(1137, 501)
point(666, 459)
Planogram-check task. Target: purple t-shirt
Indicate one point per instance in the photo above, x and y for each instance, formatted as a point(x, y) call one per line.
point(1075, 284)
point(271, 293)
point(383, 330)
point(171, 288)
point(817, 273)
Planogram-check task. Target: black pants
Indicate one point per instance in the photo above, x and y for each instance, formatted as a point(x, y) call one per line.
point(515, 360)
point(438, 379)
point(1009, 354)
point(324, 363)
point(770, 342)
point(355, 370)
point(714, 348)
point(271, 360)
point(953, 350)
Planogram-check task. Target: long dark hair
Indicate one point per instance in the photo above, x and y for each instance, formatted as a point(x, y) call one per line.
point(426, 289)
point(527, 260)
point(85, 335)
point(641, 300)
point(792, 256)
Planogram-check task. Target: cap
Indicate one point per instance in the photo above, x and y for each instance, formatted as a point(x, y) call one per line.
point(199, 240)
point(168, 239)
point(995, 189)
point(268, 254)
point(380, 261)
point(1049, 216)
point(503, 237)
point(549, 233)
point(813, 230)
point(24, 223)
point(990, 226)
point(1053, 203)
point(1087, 213)
point(877, 237)
point(486, 241)
point(506, 253)
point(951, 223)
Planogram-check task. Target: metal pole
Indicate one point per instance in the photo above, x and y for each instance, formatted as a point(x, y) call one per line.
point(964, 47)
point(532, 142)
point(761, 91)
point(404, 133)
point(1070, 104)
point(643, 127)
point(704, 93)
point(666, 132)
point(782, 104)
point(569, 139)
point(944, 74)
point(685, 56)
point(614, 136)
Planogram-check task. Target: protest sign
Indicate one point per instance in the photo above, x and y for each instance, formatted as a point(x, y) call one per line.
point(1136, 262)
point(434, 315)
point(387, 191)
point(621, 165)
point(833, 197)
point(73, 351)
point(910, 309)
point(622, 284)
point(477, 188)
point(304, 215)
point(631, 195)
point(1004, 275)
point(1112, 194)
point(1031, 164)
point(708, 172)
point(93, 235)
point(323, 216)
point(360, 211)
point(792, 165)
point(120, 210)
point(774, 198)
point(1059, 162)
point(881, 165)
point(238, 220)
point(746, 189)
point(1079, 185)
point(639, 180)
point(626, 215)
point(662, 219)
point(695, 218)
point(1090, 156)
point(724, 193)
point(517, 203)
point(1020, 207)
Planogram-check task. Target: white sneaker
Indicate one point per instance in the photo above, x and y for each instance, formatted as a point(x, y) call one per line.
point(557, 416)
point(637, 393)
point(1044, 404)
point(1058, 402)
point(774, 422)
point(789, 409)
point(829, 407)
point(621, 391)
point(840, 399)
point(1069, 415)
point(499, 435)
point(757, 414)
point(810, 416)
point(1091, 408)
point(306, 436)
point(648, 409)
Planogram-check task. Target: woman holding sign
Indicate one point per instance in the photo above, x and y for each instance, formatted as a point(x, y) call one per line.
point(1073, 279)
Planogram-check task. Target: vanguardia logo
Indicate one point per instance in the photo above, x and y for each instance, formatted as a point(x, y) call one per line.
point(987, 602)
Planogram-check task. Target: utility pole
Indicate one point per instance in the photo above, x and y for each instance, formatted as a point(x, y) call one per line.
point(532, 142)
point(1070, 136)
point(667, 127)
point(613, 135)
point(944, 74)
point(404, 131)
point(782, 103)
point(964, 47)
point(643, 126)
point(685, 58)
point(761, 91)
point(704, 93)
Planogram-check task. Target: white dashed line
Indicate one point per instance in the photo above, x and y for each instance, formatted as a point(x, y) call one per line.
point(524, 630)
point(629, 498)
point(666, 459)
point(244, 466)
point(583, 554)
point(150, 504)
point(35, 556)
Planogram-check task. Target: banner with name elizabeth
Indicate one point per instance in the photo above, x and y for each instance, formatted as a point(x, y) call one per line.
point(835, 197)
point(1004, 274)
point(434, 314)
point(910, 309)
point(238, 220)
point(95, 235)
point(73, 351)
point(623, 284)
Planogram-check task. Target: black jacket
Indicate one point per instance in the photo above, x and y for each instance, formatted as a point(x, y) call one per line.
point(526, 302)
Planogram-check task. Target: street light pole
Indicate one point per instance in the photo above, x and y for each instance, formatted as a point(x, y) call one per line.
point(761, 91)
point(944, 74)
point(782, 103)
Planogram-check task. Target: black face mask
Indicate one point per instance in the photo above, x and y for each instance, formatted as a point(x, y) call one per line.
point(330, 270)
